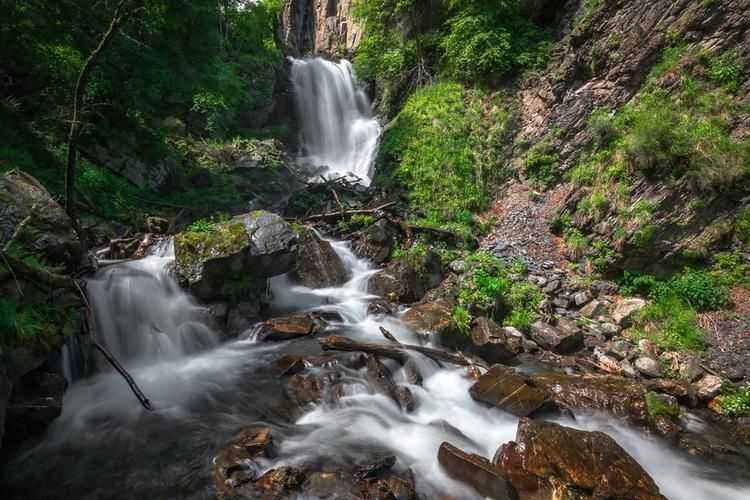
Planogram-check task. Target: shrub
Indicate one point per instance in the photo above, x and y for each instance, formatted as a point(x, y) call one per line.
point(725, 70)
point(702, 289)
point(462, 319)
point(541, 164)
point(524, 300)
point(671, 324)
point(645, 235)
point(202, 226)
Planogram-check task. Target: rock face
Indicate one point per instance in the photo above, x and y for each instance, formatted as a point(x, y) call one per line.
point(549, 460)
point(486, 478)
point(507, 389)
point(317, 264)
point(47, 229)
point(249, 248)
point(309, 27)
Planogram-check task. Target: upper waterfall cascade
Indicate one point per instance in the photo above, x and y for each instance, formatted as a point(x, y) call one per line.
point(338, 129)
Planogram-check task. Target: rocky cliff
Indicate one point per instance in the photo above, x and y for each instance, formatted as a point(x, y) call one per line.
point(318, 27)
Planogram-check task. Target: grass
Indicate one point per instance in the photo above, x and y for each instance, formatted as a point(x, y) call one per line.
point(32, 325)
point(441, 149)
point(656, 408)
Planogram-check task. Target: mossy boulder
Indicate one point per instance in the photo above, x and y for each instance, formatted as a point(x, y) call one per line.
point(234, 259)
point(45, 229)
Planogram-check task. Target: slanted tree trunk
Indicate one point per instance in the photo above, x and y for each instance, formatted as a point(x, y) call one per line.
point(124, 11)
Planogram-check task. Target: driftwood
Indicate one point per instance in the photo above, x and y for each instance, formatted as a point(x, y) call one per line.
point(339, 214)
point(122, 371)
point(397, 352)
point(389, 335)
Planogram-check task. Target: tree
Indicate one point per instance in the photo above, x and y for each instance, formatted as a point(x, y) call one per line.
point(123, 12)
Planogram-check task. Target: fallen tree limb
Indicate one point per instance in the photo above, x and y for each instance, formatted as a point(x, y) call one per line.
point(389, 335)
point(122, 371)
point(339, 214)
point(397, 352)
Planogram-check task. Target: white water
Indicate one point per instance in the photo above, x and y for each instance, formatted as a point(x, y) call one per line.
point(201, 397)
point(338, 130)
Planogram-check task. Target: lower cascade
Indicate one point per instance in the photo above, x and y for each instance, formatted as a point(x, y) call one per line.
point(203, 392)
point(338, 132)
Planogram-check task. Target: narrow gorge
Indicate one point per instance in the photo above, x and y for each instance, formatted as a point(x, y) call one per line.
point(375, 249)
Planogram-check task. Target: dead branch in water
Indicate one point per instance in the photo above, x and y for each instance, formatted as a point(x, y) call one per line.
point(388, 335)
point(122, 371)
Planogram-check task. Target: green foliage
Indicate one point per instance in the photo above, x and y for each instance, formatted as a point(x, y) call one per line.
point(731, 267)
point(645, 235)
point(202, 226)
point(462, 319)
point(439, 144)
point(486, 39)
point(656, 408)
point(742, 227)
point(31, 325)
point(724, 70)
point(703, 290)
point(735, 400)
point(670, 323)
point(541, 164)
point(576, 241)
point(524, 300)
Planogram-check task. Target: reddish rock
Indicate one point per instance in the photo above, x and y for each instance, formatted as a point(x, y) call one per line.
point(708, 387)
point(486, 478)
point(549, 460)
point(507, 389)
point(234, 464)
point(279, 329)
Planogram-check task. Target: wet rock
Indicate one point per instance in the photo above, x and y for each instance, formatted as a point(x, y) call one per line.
point(666, 427)
point(409, 279)
point(708, 387)
point(157, 225)
point(234, 260)
point(648, 367)
point(381, 306)
point(376, 469)
point(618, 396)
point(394, 487)
point(382, 378)
point(507, 389)
point(234, 464)
point(36, 400)
point(433, 317)
point(317, 265)
point(486, 478)
point(47, 230)
point(547, 459)
point(376, 242)
point(562, 339)
point(290, 327)
point(291, 365)
point(299, 392)
point(625, 308)
point(489, 341)
point(285, 478)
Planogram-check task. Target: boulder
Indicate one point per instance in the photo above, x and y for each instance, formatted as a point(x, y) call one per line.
point(433, 317)
point(648, 348)
point(486, 478)
point(593, 309)
point(648, 367)
point(621, 397)
point(317, 265)
point(36, 400)
point(290, 327)
point(410, 278)
point(624, 309)
point(489, 342)
point(375, 242)
point(236, 258)
point(550, 460)
point(508, 390)
point(690, 367)
point(708, 387)
point(564, 338)
point(47, 230)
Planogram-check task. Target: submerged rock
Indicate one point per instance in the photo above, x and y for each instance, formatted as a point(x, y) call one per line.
point(234, 464)
point(507, 389)
point(486, 478)
point(317, 265)
point(550, 460)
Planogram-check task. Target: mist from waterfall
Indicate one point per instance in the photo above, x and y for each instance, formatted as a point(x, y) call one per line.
point(339, 134)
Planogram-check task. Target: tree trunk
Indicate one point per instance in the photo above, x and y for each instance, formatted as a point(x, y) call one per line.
point(121, 16)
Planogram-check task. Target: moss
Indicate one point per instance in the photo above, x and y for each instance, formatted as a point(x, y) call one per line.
point(193, 248)
point(656, 408)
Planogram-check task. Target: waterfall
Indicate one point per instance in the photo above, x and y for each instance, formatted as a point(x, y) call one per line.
point(338, 132)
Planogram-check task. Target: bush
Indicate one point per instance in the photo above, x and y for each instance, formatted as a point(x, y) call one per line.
point(670, 323)
point(703, 290)
point(541, 164)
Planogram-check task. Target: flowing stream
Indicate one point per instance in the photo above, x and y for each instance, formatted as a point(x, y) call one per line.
point(104, 445)
point(339, 134)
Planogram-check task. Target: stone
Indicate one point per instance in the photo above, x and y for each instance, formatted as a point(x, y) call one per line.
point(648, 348)
point(618, 396)
point(624, 309)
point(648, 367)
point(47, 231)
point(666, 427)
point(550, 460)
point(157, 225)
point(606, 362)
point(317, 265)
point(409, 279)
point(284, 478)
point(375, 242)
point(620, 349)
point(561, 339)
point(458, 266)
point(690, 367)
point(489, 341)
point(381, 306)
point(486, 478)
point(507, 389)
point(236, 258)
point(290, 365)
point(582, 298)
point(234, 464)
point(290, 327)
point(610, 329)
point(708, 386)
point(593, 309)
point(676, 388)
point(433, 317)
point(627, 369)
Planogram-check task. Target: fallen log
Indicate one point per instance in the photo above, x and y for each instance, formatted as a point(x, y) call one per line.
point(397, 352)
point(339, 214)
